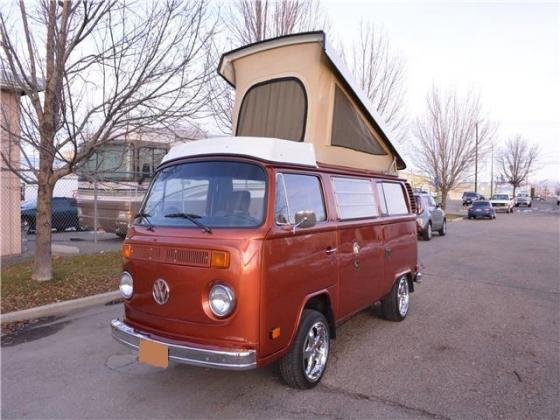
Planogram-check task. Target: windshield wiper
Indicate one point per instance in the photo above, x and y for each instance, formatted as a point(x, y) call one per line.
point(192, 218)
point(145, 217)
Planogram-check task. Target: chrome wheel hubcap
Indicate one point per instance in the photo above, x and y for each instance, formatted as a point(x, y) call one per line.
point(429, 230)
point(403, 296)
point(315, 351)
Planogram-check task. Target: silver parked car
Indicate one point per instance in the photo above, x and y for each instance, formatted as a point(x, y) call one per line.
point(430, 216)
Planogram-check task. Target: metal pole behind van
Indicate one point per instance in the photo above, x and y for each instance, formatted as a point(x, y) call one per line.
point(95, 214)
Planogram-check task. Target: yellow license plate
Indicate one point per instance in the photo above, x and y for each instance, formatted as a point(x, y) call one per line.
point(154, 354)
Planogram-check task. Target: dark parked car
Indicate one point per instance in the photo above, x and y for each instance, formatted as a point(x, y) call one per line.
point(482, 208)
point(471, 197)
point(430, 216)
point(64, 214)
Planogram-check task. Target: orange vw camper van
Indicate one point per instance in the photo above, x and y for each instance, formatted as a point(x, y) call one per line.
point(252, 249)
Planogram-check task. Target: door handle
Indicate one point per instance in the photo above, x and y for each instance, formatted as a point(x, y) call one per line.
point(330, 250)
point(387, 252)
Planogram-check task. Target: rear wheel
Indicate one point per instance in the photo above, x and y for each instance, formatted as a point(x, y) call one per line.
point(304, 365)
point(395, 306)
point(443, 229)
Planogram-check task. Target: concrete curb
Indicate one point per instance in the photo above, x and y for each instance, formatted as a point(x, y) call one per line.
point(59, 308)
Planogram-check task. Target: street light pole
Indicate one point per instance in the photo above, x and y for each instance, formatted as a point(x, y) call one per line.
point(476, 159)
point(492, 170)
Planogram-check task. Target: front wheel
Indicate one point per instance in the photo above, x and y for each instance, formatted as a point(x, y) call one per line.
point(304, 365)
point(427, 233)
point(395, 306)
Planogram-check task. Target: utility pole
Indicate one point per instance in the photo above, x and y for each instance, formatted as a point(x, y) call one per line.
point(492, 170)
point(476, 158)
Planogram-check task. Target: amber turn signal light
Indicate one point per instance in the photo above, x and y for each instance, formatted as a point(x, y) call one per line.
point(126, 251)
point(275, 333)
point(220, 259)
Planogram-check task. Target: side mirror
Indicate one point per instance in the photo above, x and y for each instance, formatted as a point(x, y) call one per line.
point(305, 219)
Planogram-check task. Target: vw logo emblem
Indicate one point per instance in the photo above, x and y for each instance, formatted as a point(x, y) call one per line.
point(160, 291)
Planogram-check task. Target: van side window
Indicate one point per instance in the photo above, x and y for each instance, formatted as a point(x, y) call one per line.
point(393, 194)
point(354, 198)
point(296, 192)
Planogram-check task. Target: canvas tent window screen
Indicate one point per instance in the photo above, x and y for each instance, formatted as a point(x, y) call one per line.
point(276, 108)
point(350, 130)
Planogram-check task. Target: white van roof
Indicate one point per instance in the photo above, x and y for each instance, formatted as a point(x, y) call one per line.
point(263, 148)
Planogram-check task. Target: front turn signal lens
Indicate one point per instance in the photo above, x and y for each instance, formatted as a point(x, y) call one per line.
point(219, 259)
point(126, 251)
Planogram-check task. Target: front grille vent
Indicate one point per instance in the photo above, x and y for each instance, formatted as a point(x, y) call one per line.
point(172, 255)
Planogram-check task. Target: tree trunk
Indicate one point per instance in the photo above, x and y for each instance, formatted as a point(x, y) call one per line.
point(42, 269)
point(444, 193)
point(514, 188)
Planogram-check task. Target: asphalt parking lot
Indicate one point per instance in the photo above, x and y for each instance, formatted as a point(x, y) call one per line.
point(481, 341)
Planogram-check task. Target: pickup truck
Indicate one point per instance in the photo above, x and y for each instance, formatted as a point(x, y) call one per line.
point(523, 199)
point(502, 203)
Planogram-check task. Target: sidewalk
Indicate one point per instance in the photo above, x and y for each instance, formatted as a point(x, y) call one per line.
point(68, 243)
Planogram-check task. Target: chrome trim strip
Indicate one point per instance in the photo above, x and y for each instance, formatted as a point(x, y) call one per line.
point(218, 359)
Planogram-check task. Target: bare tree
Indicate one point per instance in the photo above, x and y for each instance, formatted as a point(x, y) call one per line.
point(380, 74)
point(517, 160)
point(254, 20)
point(107, 69)
point(249, 21)
point(447, 146)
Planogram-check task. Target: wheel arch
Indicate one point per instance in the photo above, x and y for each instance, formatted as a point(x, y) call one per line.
point(409, 279)
point(321, 302)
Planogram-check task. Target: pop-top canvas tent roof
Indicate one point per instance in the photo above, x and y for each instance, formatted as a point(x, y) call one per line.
point(295, 87)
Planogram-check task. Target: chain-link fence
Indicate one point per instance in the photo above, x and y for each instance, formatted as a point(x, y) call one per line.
point(85, 209)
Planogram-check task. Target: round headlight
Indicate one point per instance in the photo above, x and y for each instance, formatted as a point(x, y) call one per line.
point(126, 285)
point(222, 300)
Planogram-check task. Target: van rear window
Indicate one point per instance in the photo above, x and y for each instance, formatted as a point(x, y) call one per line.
point(354, 198)
point(392, 196)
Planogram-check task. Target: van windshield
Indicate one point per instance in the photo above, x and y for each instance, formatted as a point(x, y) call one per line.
point(214, 194)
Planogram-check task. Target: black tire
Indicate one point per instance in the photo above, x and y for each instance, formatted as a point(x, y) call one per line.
point(292, 365)
point(530, 205)
point(27, 226)
point(443, 229)
point(427, 232)
point(390, 305)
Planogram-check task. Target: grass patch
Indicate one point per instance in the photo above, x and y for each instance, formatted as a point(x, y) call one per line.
point(74, 277)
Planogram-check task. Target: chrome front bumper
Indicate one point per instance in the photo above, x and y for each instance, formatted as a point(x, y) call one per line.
point(219, 359)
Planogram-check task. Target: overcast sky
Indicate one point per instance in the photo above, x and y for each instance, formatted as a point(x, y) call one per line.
point(509, 52)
